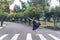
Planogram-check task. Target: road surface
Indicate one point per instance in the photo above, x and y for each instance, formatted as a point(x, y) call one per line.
point(18, 31)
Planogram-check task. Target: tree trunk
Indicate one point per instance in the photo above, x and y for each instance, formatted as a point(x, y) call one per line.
point(55, 22)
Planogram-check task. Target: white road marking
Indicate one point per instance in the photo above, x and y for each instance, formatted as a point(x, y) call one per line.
point(42, 37)
point(15, 37)
point(29, 37)
point(2, 37)
point(53, 37)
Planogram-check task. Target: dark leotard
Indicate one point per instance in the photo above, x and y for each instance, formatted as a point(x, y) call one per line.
point(34, 25)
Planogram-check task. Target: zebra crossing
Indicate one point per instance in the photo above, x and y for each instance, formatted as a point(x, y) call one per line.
point(15, 37)
point(29, 36)
point(2, 37)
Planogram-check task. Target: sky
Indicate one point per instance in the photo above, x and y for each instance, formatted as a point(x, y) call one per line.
point(24, 0)
point(52, 4)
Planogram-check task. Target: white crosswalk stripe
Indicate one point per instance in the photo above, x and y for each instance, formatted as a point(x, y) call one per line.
point(29, 37)
point(42, 37)
point(55, 38)
point(2, 37)
point(15, 37)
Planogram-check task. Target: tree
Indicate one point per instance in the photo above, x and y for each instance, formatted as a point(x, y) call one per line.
point(48, 16)
point(59, 2)
point(16, 8)
point(24, 5)
point(56, 15)
point(4, 6)
point(34, 11)
point(44, 4)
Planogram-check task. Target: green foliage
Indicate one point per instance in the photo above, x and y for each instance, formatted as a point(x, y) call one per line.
point(33, 12)
point(58, 11)
point(55, 11)
point(41, 2)
point(18, 15)
point(4, 5)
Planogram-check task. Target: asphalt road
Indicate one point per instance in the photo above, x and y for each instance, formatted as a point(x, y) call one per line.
point(18, 31)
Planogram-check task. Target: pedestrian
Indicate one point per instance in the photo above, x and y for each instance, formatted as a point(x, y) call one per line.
point(36, 24)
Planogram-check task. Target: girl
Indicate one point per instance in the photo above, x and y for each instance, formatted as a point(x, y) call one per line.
point(36, 24)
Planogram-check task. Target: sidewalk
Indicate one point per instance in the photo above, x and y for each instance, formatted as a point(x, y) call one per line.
point(4, 25)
